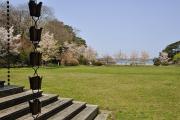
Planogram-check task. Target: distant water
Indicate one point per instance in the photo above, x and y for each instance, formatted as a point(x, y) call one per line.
point(128, 62)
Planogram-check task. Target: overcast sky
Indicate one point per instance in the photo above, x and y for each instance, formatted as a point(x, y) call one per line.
point(127, 25)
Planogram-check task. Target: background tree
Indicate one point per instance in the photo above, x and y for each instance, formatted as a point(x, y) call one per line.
point(156, 61)
point(163, 57)
point(48, 47)
point(121, 57)
point(81, 55)
point(70, 53)
point(134, 57)
point(170, 47)
point(176, 58)
point(14, 42)
point(144, 57)
point(108, 59)
point(90, 55)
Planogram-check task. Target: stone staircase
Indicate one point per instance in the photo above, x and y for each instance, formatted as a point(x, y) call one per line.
point(15, 106)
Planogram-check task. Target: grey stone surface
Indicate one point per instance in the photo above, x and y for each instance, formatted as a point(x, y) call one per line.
point(89, 113)
point(49, 110)
point(69, 112)
point(10, 90)
point(16, 107)
point(103, 115)
point(15, 99)
point(23, 108)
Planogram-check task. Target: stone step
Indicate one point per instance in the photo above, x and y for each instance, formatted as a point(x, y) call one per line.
point(102, 115)
point(49, 110)
point(9, 101)
point(69, 112)
point(10, 90)
point(89, 113)
point(23, 108)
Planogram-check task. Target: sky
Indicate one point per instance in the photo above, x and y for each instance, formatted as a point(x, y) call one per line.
point(110, 26)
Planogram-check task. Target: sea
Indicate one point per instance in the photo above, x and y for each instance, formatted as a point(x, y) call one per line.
point(138, 62)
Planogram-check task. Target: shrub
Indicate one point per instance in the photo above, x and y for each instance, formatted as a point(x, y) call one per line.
point(176, 58)
point(71, 62)
point(98, 63)
point(24, 58)
point(3, 63)
point(83, 61)
point(52, 65)
point(157, 61)
point(165, 63)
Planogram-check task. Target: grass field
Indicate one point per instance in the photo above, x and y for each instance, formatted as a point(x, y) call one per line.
point(131, 93)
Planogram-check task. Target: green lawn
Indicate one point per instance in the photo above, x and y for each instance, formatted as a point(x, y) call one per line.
point(131, 93)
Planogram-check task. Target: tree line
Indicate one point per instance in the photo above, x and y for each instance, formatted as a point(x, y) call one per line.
point(60, 43)
point(120, 57)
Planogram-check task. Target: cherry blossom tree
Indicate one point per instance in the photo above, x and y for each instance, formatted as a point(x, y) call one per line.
point(144, 57)
point(163, 57)
point(90, 54)
point(48, 46)
point(134, 57)
point(120, 57)
point(14, 42)
point(75, 51)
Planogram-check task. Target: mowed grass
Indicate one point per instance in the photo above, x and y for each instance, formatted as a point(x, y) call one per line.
point(131, 93)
